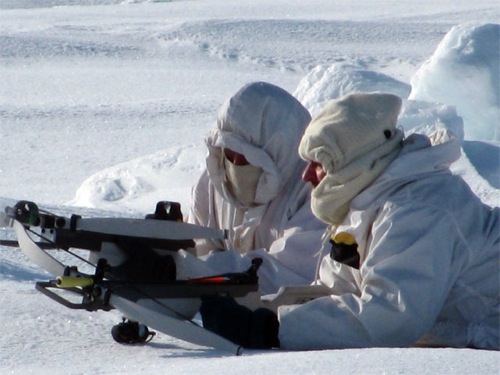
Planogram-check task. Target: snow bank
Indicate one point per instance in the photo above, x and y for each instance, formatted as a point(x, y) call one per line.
point(464, 72)
point(138, 184)
point(425, 118)
point(324, 83)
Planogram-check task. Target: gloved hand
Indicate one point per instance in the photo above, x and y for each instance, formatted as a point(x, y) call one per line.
point(251, 329)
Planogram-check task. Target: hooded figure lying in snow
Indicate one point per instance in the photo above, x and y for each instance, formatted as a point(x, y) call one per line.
point(413, 254)
point(252, 185)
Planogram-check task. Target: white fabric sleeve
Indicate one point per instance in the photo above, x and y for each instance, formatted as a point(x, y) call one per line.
point(200, 214)
point(405, 281)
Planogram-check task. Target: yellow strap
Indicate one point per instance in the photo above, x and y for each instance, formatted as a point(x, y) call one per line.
point(71, 282)
point(344, 238)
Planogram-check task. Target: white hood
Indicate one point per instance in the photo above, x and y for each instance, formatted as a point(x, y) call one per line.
point(265, 124)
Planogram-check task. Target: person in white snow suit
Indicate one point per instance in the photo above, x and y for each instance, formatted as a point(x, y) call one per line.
point(411, 255)
point(252, 184)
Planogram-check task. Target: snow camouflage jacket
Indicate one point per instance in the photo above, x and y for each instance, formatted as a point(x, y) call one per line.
point(429, 252)
point(265, 124)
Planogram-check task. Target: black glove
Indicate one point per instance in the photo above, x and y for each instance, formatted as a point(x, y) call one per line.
point(251, 329)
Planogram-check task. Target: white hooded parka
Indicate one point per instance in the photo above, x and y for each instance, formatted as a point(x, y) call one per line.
point(265, 124)
point(430, 257)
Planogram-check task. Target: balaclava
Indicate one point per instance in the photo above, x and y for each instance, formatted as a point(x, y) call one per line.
point(242, 181)
point(264, 123)
point(355, 139)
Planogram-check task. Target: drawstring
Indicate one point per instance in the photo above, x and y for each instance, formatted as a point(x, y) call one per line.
point(325, 241)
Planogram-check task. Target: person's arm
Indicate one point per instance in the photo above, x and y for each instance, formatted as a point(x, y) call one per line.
point(406, 279)
point(297, 248)
point(200, 214)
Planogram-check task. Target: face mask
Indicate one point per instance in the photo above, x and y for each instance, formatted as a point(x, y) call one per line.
point(242, 181)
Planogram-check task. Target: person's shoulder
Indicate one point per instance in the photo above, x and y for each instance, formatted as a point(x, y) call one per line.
point(203, 179)
point(201, 187)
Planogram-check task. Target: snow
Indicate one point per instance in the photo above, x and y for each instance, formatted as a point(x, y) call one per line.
point(104, 106)
point(462, 65)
